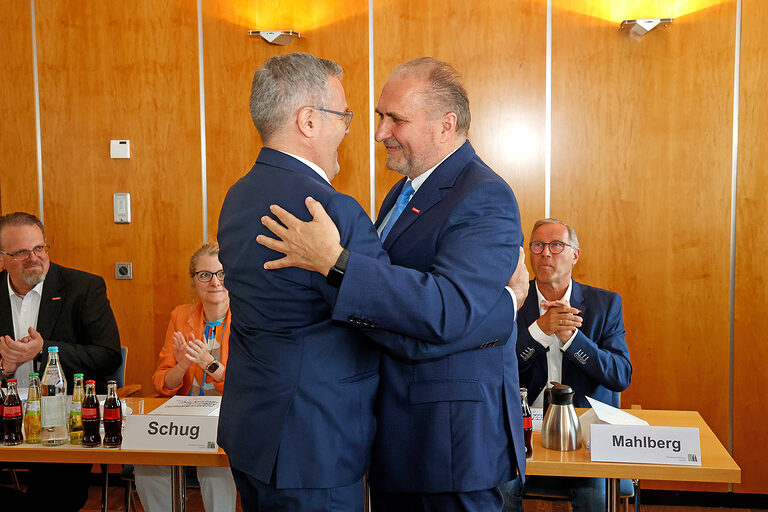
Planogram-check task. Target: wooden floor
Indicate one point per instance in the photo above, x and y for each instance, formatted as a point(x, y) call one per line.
point(195, 504)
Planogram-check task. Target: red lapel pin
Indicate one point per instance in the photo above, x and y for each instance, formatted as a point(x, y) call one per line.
point(415, 210)
point(55, 298)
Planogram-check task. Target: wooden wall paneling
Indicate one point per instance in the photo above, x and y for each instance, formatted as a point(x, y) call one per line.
point(123, 70)
point(641, 167)
point(18, 143)
point(751, 349)
point(500, 49)
point(333, 29)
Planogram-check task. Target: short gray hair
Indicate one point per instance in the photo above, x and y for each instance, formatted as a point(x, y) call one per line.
point(444, 91)
point(573, 240)
point(286, 83)
point(17, 219)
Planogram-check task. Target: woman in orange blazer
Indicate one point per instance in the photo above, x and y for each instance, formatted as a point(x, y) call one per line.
point(192, 362)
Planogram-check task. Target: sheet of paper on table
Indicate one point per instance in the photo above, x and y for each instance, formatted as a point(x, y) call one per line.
point(602, 413)
point(537, 418)
point(190, 406)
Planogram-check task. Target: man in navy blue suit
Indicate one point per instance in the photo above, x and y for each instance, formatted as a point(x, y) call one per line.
point(297, 410)
point(570, 333)
point(449, 428)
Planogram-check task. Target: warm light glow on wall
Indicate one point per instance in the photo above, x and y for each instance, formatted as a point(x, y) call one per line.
point(618, 10)
point(519, 142)
point(286, 15)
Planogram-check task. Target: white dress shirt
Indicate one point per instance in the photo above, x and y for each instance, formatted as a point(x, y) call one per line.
point(554, 357)
point(312, 165)
point(25, 311)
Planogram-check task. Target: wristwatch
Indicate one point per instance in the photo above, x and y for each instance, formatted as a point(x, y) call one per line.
point(4, 374)
point(336, 274)
point(211, 369)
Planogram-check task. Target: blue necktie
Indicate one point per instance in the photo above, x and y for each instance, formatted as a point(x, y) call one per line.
point(402, 200)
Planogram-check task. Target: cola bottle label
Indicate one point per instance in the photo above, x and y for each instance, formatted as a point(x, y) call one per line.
point(12, 411)
point(527, 422)
point(111, 414)
point(90, 413)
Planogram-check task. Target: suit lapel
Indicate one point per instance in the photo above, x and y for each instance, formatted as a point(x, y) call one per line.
point(6, 317)
point(430, 192)
point(389, 202)
point(529, 313)
point(51, 301)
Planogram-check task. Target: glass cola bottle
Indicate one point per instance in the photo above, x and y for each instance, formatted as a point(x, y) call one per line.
point(75, 418)
point(113, 417)
point(54, 402)
point(32, 427)
point(90, 416)
point(527, 423)
point(12, 416)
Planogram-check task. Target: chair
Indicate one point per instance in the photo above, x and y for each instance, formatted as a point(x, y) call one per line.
point(129, 479)
point(119, 377)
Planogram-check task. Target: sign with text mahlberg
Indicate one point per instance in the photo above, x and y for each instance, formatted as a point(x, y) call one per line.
point(645, 444)
point(170, 433)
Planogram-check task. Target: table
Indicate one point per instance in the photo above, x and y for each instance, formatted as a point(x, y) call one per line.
point(77, 454)
point(716, 464)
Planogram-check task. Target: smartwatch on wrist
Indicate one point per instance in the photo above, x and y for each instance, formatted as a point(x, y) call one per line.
point(211, 369)
point(336, 274)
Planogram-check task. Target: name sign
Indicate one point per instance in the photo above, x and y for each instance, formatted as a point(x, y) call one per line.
point(646, 444)
point(170, 433)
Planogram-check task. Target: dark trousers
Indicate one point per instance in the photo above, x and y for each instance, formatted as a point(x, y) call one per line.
point(256, 496)
point(489, 500)
point(60, 487)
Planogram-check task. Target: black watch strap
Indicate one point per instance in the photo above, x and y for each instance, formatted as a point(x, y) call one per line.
point(336, 274)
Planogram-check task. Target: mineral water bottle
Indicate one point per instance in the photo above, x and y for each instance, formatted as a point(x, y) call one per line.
point(91, 416)
point(54, 402)
point(32, 412)
point(75, 420)
point(12, 417)
point(113, 418)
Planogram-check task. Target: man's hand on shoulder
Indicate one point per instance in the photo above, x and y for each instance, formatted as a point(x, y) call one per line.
point(518, 283)
point(313, 246)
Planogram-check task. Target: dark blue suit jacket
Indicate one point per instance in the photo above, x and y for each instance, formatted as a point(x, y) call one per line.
point(299, 392)
point(450, 424)
point(596, 363)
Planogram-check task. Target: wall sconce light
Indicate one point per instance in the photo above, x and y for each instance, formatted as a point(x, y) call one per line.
point(279, 37)
point(643, 26)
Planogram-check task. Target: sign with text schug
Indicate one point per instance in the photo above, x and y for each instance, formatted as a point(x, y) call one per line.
point(170, 433)
point(646, 444)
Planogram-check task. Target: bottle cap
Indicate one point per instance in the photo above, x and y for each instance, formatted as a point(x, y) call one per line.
point(111, 382)
point(53, 349)
point(90, 382)
point(78, 375)
point(34, 374)
point(11, 380)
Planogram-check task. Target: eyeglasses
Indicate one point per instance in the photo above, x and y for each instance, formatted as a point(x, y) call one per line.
point(347, 114)
point(555, 247)
point(205, 276)
point(24, 254)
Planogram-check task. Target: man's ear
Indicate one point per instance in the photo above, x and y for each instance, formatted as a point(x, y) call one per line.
point(448, 126)
point(305, 121)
